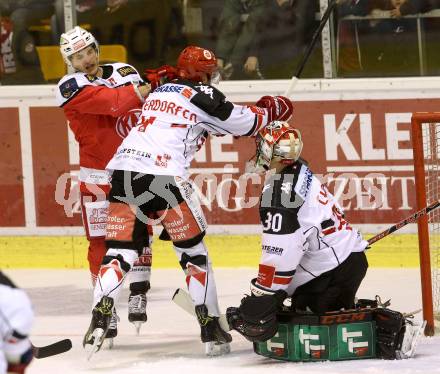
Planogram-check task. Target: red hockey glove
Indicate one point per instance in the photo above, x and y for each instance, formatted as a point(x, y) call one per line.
point(161, 75)
point(280, 108)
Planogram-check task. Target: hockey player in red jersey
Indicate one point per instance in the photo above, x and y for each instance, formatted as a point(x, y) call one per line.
point(102, 103)
point(311, 254)
point(150, 177)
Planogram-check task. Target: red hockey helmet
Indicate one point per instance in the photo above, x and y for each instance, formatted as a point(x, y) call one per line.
point(198, 64)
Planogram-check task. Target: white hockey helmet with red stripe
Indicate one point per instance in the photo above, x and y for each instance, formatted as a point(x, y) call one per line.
point(277, 143)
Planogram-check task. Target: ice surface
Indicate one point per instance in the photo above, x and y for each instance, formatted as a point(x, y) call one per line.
point(169, 341)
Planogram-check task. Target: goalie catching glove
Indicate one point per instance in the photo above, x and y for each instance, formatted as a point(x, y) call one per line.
point(279, 108)
point(256, 317)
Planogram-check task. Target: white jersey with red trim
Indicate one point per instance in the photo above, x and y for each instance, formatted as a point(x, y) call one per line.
point(175, 121)
point(305, 233)
point(16, 318)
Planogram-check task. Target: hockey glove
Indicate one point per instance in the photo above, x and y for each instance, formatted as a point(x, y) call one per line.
point(256, 317)
point(160, 76)
point(279, 108)
point(19, 365)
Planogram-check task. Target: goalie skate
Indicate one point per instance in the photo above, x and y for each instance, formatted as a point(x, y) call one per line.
point(95, 335)
point(410, 340)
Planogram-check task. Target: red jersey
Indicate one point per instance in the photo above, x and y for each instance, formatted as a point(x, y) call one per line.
point(101, 112)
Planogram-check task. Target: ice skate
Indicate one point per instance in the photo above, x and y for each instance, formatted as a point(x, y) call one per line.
point(112, 331)
point(95, 335)
point(137, 306)
point(216, 340)
point(410, 339)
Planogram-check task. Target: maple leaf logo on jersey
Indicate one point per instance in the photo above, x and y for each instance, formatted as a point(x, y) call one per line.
point(126, 122)
point(207, 90)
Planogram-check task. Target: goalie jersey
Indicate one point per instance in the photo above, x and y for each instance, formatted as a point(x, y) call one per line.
point(305, 233)
point(176, 119)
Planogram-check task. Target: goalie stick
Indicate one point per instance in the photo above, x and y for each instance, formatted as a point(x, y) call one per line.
point(52, 349)
point(182, 298)
point(331, 5)
point(412, 218)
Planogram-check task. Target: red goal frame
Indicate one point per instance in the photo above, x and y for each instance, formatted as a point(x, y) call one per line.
point(417, 120)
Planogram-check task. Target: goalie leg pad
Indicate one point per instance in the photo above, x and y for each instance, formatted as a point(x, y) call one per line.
point(390, 330)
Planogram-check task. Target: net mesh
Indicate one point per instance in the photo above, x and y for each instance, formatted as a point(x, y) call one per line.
point(431, 151)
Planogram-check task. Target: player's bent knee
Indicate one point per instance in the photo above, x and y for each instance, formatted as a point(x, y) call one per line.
point(125, 266)
point(198, 260)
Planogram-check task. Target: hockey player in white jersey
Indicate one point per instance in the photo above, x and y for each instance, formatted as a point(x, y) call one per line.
point(16, 318)
point(311, 254)
point(149, 183)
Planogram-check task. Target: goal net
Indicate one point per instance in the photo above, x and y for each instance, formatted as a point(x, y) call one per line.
point(425, 128)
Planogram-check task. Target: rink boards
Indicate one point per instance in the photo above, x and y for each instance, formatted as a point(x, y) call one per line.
point(398, 251)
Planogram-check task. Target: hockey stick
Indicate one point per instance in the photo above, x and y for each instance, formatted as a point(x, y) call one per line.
point(52, 349)
point(325, 17)
point(412, 218)
point(183, 299)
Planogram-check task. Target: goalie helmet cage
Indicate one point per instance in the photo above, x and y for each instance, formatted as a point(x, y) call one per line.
point(425, 129)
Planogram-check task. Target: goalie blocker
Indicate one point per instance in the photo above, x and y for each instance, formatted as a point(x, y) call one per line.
point(367, 331)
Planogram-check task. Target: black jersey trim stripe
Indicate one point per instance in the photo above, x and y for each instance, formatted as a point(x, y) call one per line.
point(309, 272)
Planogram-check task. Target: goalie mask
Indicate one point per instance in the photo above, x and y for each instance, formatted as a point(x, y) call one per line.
point(278, 145)
point(198, 65)
point(74, 41)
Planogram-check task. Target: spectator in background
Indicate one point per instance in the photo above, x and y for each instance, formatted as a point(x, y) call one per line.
point(378, 46)
point(238, 40)
point(82, 6)
point(20, 62)
point(404, 7)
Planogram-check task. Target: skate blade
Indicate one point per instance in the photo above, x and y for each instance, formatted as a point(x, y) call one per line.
point(110, 343)
point(137, 326)
point(212, 349)
point(98, 337)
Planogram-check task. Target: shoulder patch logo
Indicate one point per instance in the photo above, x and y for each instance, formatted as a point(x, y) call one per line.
point(206, 90)
point(68, 88)
point(126, 70)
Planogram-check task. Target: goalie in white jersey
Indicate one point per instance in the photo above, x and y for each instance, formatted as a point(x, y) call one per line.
point(311, 254)
point(309, 249)
point(150, 185)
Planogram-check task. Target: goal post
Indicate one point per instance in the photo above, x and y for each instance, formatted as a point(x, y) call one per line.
point(425, 133)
